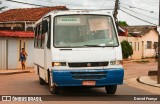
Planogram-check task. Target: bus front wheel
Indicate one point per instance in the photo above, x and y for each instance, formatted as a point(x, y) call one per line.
point(111, 89)
point(52, 87)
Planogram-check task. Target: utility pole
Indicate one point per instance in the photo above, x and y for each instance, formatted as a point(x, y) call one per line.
point(116, 9)
point(158, 76)
point(116, 12)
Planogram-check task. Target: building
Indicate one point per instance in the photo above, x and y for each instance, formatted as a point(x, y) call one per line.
point(16, 32)
point(143, 39)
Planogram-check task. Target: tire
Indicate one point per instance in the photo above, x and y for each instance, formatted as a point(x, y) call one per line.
point(111, 89)
point(41, 81)
point(53, 89)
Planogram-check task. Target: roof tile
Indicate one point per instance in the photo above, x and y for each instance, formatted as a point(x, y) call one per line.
point(18, 34)
point(27, 14)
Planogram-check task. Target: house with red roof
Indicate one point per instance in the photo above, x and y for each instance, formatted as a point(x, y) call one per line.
point(16, 32)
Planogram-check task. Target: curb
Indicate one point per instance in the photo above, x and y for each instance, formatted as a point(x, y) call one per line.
point(10, 73)
point(138, 80)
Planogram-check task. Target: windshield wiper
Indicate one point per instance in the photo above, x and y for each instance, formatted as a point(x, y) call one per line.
point(92, 45)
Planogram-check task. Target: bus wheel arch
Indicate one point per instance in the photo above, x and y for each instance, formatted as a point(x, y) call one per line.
point(52, 86)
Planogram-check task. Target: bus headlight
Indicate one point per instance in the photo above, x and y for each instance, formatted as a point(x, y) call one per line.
point(58, 64)
point(118, 62)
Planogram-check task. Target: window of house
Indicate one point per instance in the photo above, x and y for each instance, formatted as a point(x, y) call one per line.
point(135, 46)
point(138, 46)
point(149, 44)
point(155, 45)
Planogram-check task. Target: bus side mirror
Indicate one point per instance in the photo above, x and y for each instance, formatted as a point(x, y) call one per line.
point(44, 26)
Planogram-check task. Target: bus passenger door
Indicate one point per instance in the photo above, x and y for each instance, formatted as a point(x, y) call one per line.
point(47, 48)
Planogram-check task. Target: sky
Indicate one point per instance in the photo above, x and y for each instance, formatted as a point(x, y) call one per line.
point(134, 12)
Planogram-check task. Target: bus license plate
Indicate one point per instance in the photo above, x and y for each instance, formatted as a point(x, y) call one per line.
point(89, 83)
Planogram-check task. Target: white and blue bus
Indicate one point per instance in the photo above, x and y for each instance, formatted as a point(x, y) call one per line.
point(78, 48)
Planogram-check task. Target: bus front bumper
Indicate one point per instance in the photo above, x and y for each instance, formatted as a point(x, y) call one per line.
point(100, 77)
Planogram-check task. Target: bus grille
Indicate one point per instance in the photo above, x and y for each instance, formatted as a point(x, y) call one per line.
point(88, 75)
point(88, 64)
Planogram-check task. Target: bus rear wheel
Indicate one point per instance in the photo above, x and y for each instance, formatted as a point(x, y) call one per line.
point(111, 89)
point(52, 87)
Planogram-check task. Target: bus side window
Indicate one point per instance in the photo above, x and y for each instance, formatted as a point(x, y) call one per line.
point(49, 40)
point(35, 37)
point(39, 36)
point(42, 40)
point(49, 36)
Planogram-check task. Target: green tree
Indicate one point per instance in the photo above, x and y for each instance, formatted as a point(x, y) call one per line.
point(126, 49)
point(122, 23)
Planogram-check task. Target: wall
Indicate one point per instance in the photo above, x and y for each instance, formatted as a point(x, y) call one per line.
point(12, 53)
point(139, 45)
point(29, 45)
point(151, 36)
point(30, 52)
point(136, 43)
point(3, 53)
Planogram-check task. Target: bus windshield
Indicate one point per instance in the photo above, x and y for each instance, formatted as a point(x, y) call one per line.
point(84, 31)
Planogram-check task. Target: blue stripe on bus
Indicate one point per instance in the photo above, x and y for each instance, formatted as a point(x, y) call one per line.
point(102, 77)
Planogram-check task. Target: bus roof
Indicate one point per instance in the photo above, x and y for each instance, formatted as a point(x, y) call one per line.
point(80, 11)
point(84, 11)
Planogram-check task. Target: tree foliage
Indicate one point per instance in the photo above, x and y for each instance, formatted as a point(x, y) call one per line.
point(126, 49)
point(122, 23)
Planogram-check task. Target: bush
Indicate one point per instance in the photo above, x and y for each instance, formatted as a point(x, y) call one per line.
point(122, 23)
point(126, 49)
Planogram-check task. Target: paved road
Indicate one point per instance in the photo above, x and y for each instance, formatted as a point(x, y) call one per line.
point(28, 84)
point(133, 70)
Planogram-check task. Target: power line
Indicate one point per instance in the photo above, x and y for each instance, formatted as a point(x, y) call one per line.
point(137, 17)
point(25, 3)
point(150, 3)
point(46, 1)
point(138, 13)
point(57, 2)
point(136, 7)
